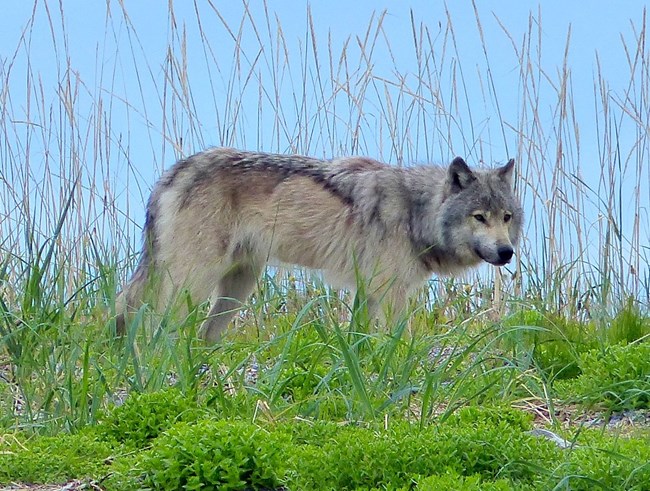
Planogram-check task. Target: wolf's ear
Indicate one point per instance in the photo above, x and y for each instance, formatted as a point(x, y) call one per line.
point(459, 175)
point(506, 172)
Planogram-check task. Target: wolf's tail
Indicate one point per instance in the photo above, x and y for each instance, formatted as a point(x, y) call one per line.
point(130, 299)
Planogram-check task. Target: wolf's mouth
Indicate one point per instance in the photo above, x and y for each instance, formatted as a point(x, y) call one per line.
point(498, 262)
point(478, 253)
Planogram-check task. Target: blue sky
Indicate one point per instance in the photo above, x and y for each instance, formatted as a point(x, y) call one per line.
point(122, 63)
point(596, 27)
point(93, 42)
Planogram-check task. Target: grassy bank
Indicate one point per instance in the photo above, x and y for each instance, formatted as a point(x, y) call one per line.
point(298, 396)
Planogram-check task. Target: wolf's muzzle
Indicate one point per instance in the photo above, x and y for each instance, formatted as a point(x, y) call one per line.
point(503, 256)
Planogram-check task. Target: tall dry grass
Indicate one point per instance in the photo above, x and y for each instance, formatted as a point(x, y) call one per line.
point(96, 134)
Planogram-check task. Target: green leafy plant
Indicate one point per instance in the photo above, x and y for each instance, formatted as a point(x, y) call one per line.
point(457, 482)
point(228, 455)
point(616, 377)
point(144, 417)
point(53, 459)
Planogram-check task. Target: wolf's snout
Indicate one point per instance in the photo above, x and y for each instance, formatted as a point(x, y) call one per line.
point(505, 254)
point(499, 257)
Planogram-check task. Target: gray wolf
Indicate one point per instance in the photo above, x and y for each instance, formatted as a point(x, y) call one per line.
point(215, 219)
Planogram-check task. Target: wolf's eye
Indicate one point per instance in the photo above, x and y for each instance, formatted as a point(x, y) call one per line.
point(507, 217)
point(480, 217)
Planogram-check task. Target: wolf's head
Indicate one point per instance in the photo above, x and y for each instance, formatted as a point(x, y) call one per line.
point(479, 218)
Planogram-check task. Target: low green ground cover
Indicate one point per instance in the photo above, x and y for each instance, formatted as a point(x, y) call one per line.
point(475, 448)
point(298, 399)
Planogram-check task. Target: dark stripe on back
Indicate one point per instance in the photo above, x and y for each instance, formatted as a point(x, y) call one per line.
point(203, 167)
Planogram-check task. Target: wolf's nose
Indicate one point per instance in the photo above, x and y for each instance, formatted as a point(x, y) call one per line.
point(505, 253)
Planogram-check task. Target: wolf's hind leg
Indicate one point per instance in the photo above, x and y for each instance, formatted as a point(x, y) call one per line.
point(230, 294)
point(130, 299)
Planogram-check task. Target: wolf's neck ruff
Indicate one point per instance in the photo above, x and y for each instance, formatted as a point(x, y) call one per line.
point(215, 219)
point(430, 256)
